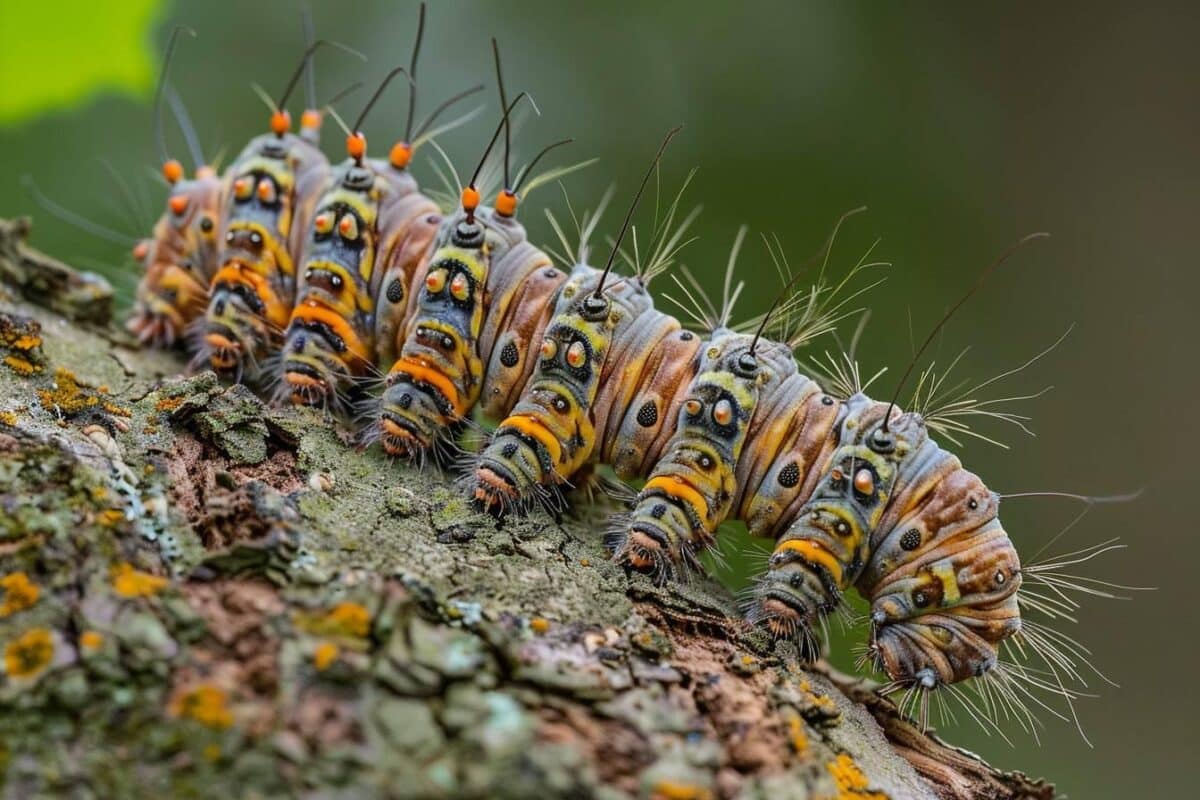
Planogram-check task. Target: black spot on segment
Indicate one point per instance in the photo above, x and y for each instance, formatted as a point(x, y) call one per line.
point(509, 450)
point(395, 291)
point(686, 336)
point(648, 414)
point(789, 476)
point(911, 539)
point(658, 510)
point(509, 355)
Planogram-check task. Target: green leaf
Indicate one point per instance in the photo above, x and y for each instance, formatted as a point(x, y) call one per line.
point(56, 54)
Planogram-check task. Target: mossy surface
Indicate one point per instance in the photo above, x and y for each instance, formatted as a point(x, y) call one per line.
point(221, 599)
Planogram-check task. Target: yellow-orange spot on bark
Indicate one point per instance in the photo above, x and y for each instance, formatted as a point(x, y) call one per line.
point(91, 640)
point(540, 625)
point(19, 593)
point(70, 396)
point(324, 656)
point(29, 653)
point(21, 366)
point(851, 783)
point(168, 404)
point(206, 704)
point(678, 790)
point(129, 582)
point(344, 619)
point(110, 517)
point(8, 418)
point(797, 735)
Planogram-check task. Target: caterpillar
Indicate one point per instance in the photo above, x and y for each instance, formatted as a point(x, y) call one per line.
point(484, 277)
point(181, 257)
point(332, 278)
point(856, 493)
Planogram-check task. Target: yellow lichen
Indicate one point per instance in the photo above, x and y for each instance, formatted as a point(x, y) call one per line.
point(797, 735)
point(21, 365)
point(212, 753)
point(851, 783)
point(206, 704)
point(344, 619)
point(324, 656)
point(540, 625)
point(110, 517)
point(91, 641)
point(29, 654)
point(678, 790)
point(129, 582)
point(168, 404)
point(19, 593)
point(25, 341)
point(70, 396)
point(8, 418)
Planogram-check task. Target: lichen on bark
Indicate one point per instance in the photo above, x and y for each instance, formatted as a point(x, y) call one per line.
point(201, 595)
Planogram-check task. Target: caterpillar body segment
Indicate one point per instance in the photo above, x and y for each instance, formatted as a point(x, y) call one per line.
point(521, 289)
point(180, 260)
point(943, 578)
point(693, 486)
point(464, 304)
point(273, 188)
point(329, 345)
point(560, 424)
point(828, 543)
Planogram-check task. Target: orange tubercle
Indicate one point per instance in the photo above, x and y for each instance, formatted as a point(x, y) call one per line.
point(310, 119)
point(400, 155)
point(356, 145)
point(141, 250)
point(506, 203)
point(470, 199)
point(178, 204)
point(281, 122)
point(172, 171)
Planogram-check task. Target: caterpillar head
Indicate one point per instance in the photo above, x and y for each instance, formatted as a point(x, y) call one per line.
point(691, 490)
point(550, 433)
point(943, 582)
point(178, 261)
point(436, 380)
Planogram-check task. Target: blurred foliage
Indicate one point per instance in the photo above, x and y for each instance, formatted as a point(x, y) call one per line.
point(79, 47)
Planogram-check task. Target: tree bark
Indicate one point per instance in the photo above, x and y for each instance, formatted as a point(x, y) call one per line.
point(204, 596)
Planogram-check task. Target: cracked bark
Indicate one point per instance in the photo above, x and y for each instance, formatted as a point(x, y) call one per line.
point(205, 596)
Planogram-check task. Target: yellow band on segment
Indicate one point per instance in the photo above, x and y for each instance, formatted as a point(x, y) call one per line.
point(237, 272)
point(317, 311)
point(675, 487)
point(812, 551)
point(532, 426)
point(422, 371)
point(944, 572)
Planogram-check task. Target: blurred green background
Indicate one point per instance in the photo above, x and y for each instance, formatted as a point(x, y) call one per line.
point(961, 126)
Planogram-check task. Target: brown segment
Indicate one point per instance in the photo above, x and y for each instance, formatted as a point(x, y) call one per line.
point(798, 427)
point(636, 447)
point(633, 344)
